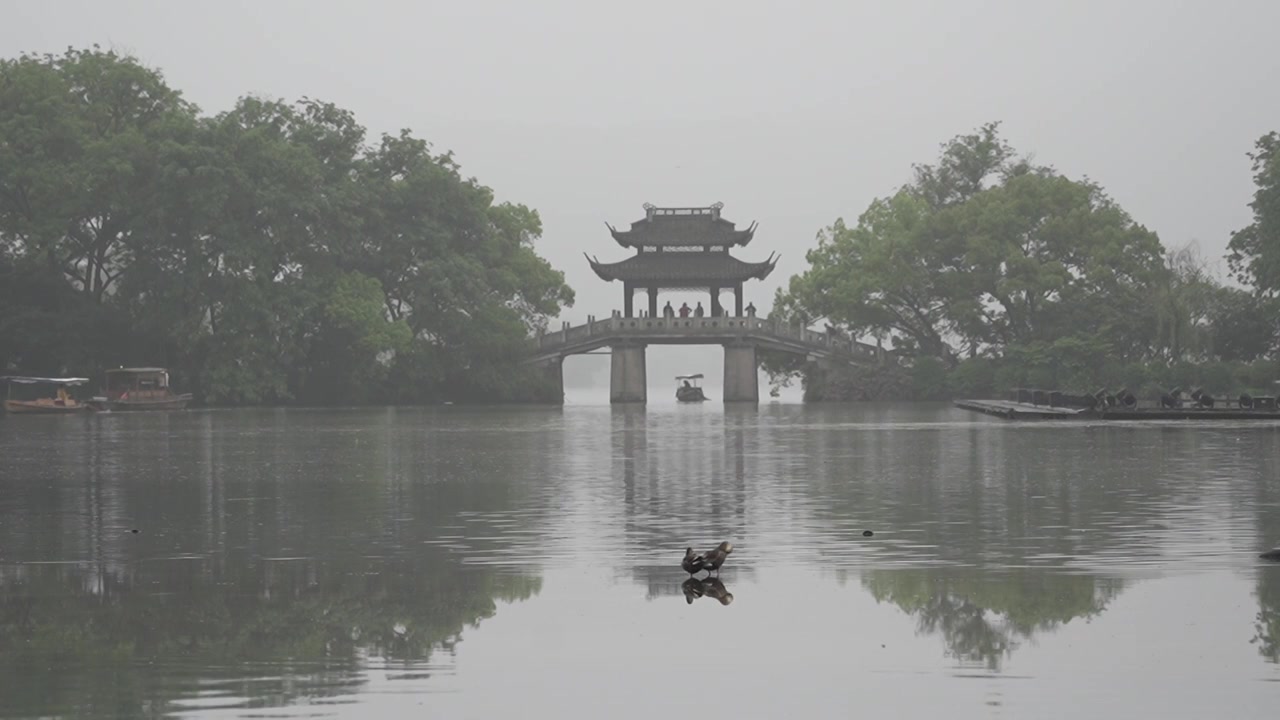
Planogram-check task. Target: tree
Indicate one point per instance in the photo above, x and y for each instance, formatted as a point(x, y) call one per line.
point(1038, 248)
point(1242, 326)
point(965, 167)
point(885, 276)
point(1255, 250)
point(246, 250)
point(353, 341)
point(982, 252)
point(85, 138)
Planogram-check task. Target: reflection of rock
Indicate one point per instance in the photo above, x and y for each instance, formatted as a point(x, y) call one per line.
point(711, 587)
point(983, 616)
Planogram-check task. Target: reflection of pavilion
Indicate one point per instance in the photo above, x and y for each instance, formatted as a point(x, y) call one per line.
point(671, 481)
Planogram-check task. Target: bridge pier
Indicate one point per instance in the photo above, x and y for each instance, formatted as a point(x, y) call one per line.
point(553, 373)
point(627, 377)
point(741, 373)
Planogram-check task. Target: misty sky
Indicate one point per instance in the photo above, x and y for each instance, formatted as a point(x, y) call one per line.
point(792, 114)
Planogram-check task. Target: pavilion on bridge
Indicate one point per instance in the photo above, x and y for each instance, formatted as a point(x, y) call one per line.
point(682, 249)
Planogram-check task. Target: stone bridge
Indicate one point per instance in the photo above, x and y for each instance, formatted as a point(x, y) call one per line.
point(741, 338)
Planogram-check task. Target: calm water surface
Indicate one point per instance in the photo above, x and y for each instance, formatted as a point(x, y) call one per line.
point(464, 563)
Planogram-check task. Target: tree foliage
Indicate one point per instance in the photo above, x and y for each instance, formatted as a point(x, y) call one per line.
point(1255, 250)
point(267, 253)
point(1004, 271)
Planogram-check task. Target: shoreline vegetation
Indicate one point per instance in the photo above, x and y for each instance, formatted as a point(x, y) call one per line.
point(988, 272)
point(269, 254)
point(273, 254)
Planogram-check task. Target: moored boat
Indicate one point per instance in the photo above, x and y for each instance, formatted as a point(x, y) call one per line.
point(61, 402)
point(139, 389)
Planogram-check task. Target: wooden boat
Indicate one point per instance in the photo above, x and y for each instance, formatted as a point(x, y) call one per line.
point(61, 401)
point(687, 389)
point(139, 389)
point(1026, 404)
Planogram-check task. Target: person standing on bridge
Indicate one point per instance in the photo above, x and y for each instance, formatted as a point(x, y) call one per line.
point(751, 310)
point(684, 310)
point(698, 311)
point(668, 311)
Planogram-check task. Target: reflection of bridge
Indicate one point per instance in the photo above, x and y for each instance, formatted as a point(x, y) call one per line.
point(741, 337)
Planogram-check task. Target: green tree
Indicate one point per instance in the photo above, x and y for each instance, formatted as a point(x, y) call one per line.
point(1040, 246)
point(353, 342)
point(983, 251)
point(245, 249)
point(1243, 326)
point(1255, 250)
point(885, 276)
point(86, 135)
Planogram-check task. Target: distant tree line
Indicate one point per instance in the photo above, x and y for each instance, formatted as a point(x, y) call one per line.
point(266, 254)
point(988, 271)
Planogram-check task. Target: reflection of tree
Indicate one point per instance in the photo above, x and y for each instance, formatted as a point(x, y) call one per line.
point(983, 617)
point(303, 618)
point(1267, 622)
point(1265, 469)
point(300, 551)
point(999, 533)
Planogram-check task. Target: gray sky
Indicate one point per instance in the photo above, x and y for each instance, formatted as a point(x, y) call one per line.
point(792, 114)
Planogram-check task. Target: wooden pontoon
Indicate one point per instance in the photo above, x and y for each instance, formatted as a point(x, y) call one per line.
point(1026, 404)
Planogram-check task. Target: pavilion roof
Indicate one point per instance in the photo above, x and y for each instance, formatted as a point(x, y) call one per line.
point(683, 269)
point(682, 227)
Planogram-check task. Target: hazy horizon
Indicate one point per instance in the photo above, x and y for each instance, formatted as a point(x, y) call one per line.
point(792, 119)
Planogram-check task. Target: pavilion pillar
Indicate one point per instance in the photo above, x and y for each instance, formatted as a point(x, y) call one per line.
point(741, 381)
point(627, 380)
point(715, 302)
point(627, 292)
point(653, 302)
point(737, 300)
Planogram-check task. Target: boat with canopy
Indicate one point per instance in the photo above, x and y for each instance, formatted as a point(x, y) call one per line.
point(27, 394)
point(687, 388)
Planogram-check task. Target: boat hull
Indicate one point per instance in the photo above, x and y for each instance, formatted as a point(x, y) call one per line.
point(693, 394)
point(175, 402)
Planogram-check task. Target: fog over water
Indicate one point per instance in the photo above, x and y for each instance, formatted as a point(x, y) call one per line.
point(791, 114)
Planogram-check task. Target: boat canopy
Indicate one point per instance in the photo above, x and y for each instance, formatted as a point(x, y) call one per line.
point(25, 380)
point(698, 376)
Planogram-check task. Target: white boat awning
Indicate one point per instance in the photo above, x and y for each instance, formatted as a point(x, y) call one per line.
point(26, 380)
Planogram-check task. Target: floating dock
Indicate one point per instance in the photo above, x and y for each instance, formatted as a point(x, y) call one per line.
point(1011, 410)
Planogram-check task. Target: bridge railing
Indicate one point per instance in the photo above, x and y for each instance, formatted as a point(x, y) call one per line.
point(693, 327)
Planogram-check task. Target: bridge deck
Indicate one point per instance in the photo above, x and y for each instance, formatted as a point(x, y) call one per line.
point(699, 331)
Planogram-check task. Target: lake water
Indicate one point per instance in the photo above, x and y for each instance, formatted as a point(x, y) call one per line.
point(498, 563)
